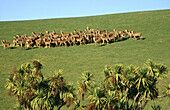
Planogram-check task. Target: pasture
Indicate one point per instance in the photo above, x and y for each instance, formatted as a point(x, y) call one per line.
point(154, 26)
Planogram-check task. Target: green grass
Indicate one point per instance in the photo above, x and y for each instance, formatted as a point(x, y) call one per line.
point(154, 25)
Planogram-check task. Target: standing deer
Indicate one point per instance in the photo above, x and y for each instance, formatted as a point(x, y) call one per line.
point(112, 36)
point(4, 43)
point(135, 35)
point(15, 41)
point(97, 40)
point(104, 38)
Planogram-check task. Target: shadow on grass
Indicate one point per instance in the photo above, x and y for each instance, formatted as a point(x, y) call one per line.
point(30, 48)
point(139, 39)
point(122, 39)
point(12, 47)
point(103, 44)
point(142, 39)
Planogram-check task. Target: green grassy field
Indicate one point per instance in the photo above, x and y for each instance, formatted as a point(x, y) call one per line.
point(154, 25)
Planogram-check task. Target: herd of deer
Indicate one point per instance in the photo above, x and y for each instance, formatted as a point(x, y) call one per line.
point(54, 39)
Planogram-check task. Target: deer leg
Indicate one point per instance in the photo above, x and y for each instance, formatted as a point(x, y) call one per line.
point(134, 37)
point(107, 41)
point(141, 38)
point(95, 44)
point(65, 44)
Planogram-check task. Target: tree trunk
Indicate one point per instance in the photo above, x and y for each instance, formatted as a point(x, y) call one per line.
point(127, 99)
point(27, 108)
point(143, 106)
point(134, 100)
point(163, 96)
point(60, 106)
point(38, 108)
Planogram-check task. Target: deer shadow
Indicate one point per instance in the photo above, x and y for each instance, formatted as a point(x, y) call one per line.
point(12, 47)
point(101, 45)
point(29, 48)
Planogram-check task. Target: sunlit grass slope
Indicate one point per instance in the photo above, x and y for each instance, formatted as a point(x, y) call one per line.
point(154, 25)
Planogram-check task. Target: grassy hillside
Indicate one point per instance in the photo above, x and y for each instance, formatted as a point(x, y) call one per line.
point(154, 26)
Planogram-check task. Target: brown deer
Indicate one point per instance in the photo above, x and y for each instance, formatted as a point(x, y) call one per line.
point(47, 34)
point(64, 34)
point(4, 43)
point(102, 32)
point(53, 32)
point(19, 37)
point(74, 35)
point(112, 36)
point(47, 42)
point(63, 42)
point(80, 40)
point(97, 40)
point(91, 30)
point(56, 35)
point(29, 38)
point(22, 36)
point(104, 38)
point(123, 34)
point(89, 37)
point(37, 34)
point(28, 42)
point(15, 41)
point(75, 32)
point(80, 32)
point(22, 43)
point(55, 42)
point(117, 33)
point(39, 42)
point(135, 35)
point(130, 32)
